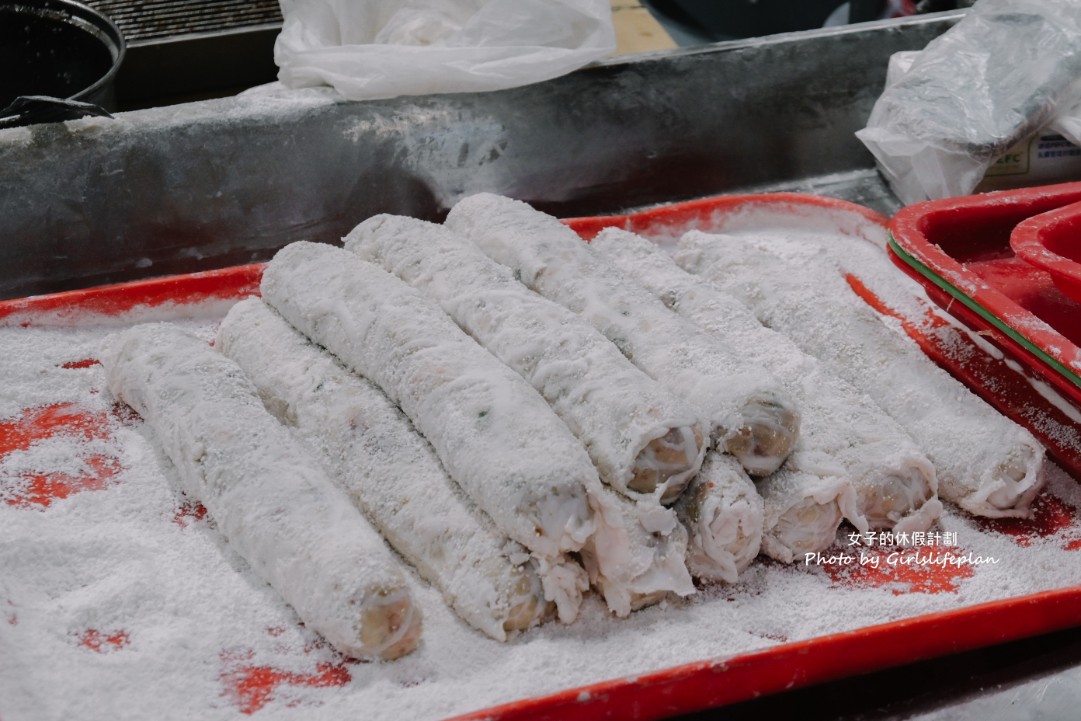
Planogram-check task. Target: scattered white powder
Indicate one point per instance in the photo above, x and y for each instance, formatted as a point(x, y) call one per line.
point(126, 601)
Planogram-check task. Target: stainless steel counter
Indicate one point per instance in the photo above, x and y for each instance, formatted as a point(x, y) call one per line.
point(214, 183)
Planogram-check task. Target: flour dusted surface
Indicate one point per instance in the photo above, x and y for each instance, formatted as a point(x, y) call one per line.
point(133, 561)
point(391, 472)
point(752, 417)
point(271, 499)
point(984, 462)
point(195, 615)
point(894, 481)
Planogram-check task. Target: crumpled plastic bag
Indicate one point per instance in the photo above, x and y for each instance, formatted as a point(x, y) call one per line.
point(995, 78)
point(1067, 123)
point(369, 49)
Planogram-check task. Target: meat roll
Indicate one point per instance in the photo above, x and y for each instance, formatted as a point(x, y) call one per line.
point(803, 511)
point(268, 495)
point(389, 470)
point(494, 434)
point(751, 416)
point(640, 558)
point(893, 479)
point(985, 463)
point(643, 440)
point(723, 513)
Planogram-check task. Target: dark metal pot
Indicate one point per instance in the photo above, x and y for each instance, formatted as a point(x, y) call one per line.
point(58, 60)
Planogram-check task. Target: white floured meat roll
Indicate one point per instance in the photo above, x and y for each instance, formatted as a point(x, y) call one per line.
point(985, 463)
point(803, 511)
point(267, 494)
point(723, 513)
point(643, 439)
point(389, 470)
point(893, 479)
point(494, 434)
point(751, 416)
point(639, 556)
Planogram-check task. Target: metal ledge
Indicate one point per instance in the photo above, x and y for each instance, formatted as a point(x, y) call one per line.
point(219, 182)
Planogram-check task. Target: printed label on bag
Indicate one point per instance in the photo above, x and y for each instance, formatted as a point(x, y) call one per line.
point(1042, 159)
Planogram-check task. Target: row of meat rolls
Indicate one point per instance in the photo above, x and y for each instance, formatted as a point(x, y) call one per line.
point(844, 434)
point(581, 415)
point(492, 431)
point(633, 427)
point(389, 470)
point(750, 417)
point(268, 495)
point(985, 463)
point(883, 431)
point(755, 419)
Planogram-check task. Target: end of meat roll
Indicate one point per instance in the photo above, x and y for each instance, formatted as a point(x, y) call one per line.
point(389, 628)
point(768, 432)
point(669, 462)
point(637, 556)
point(900, 497)
point(803, 513)
point(1013, 485)
point(564, 582)
point(526, 607)
point(807, 527)
point(520, 603)
point(723, 514)
point(564, 517)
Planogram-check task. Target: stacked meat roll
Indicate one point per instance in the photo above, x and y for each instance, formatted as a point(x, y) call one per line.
point(522, 417)
point(389, 470)
point(893, 480)
point(268, 495)
point(751, 416)
point(493, 433)
point(985, 463)
point(645, 443)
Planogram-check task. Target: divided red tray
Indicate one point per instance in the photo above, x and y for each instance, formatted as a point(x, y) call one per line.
point(723, 680)
point(1052, 241)
point(959, 250)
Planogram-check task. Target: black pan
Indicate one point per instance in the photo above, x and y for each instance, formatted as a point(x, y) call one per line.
point(58, 59)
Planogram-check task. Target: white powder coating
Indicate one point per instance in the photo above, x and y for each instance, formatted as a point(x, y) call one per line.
point(644, 441)
point(894, 481)
point(985, 463)
point(388, 469)
point(267, 494)
point(615, 409)
point(494, 434)
point(723, 514)
point(752, 417)
point(115, 559)
point(638, 555)
point(803, 512)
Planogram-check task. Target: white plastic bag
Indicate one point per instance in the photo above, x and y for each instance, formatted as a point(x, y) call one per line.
point(989, 82)
point(369, 49)
point(1067, 123)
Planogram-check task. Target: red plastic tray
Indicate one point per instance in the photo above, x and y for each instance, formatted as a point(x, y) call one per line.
point(711, 682)
point(1051, 241)
point(959, 249)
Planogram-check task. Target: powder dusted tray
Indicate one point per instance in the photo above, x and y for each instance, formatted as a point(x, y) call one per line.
point(117, 591)
point(959, 250)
